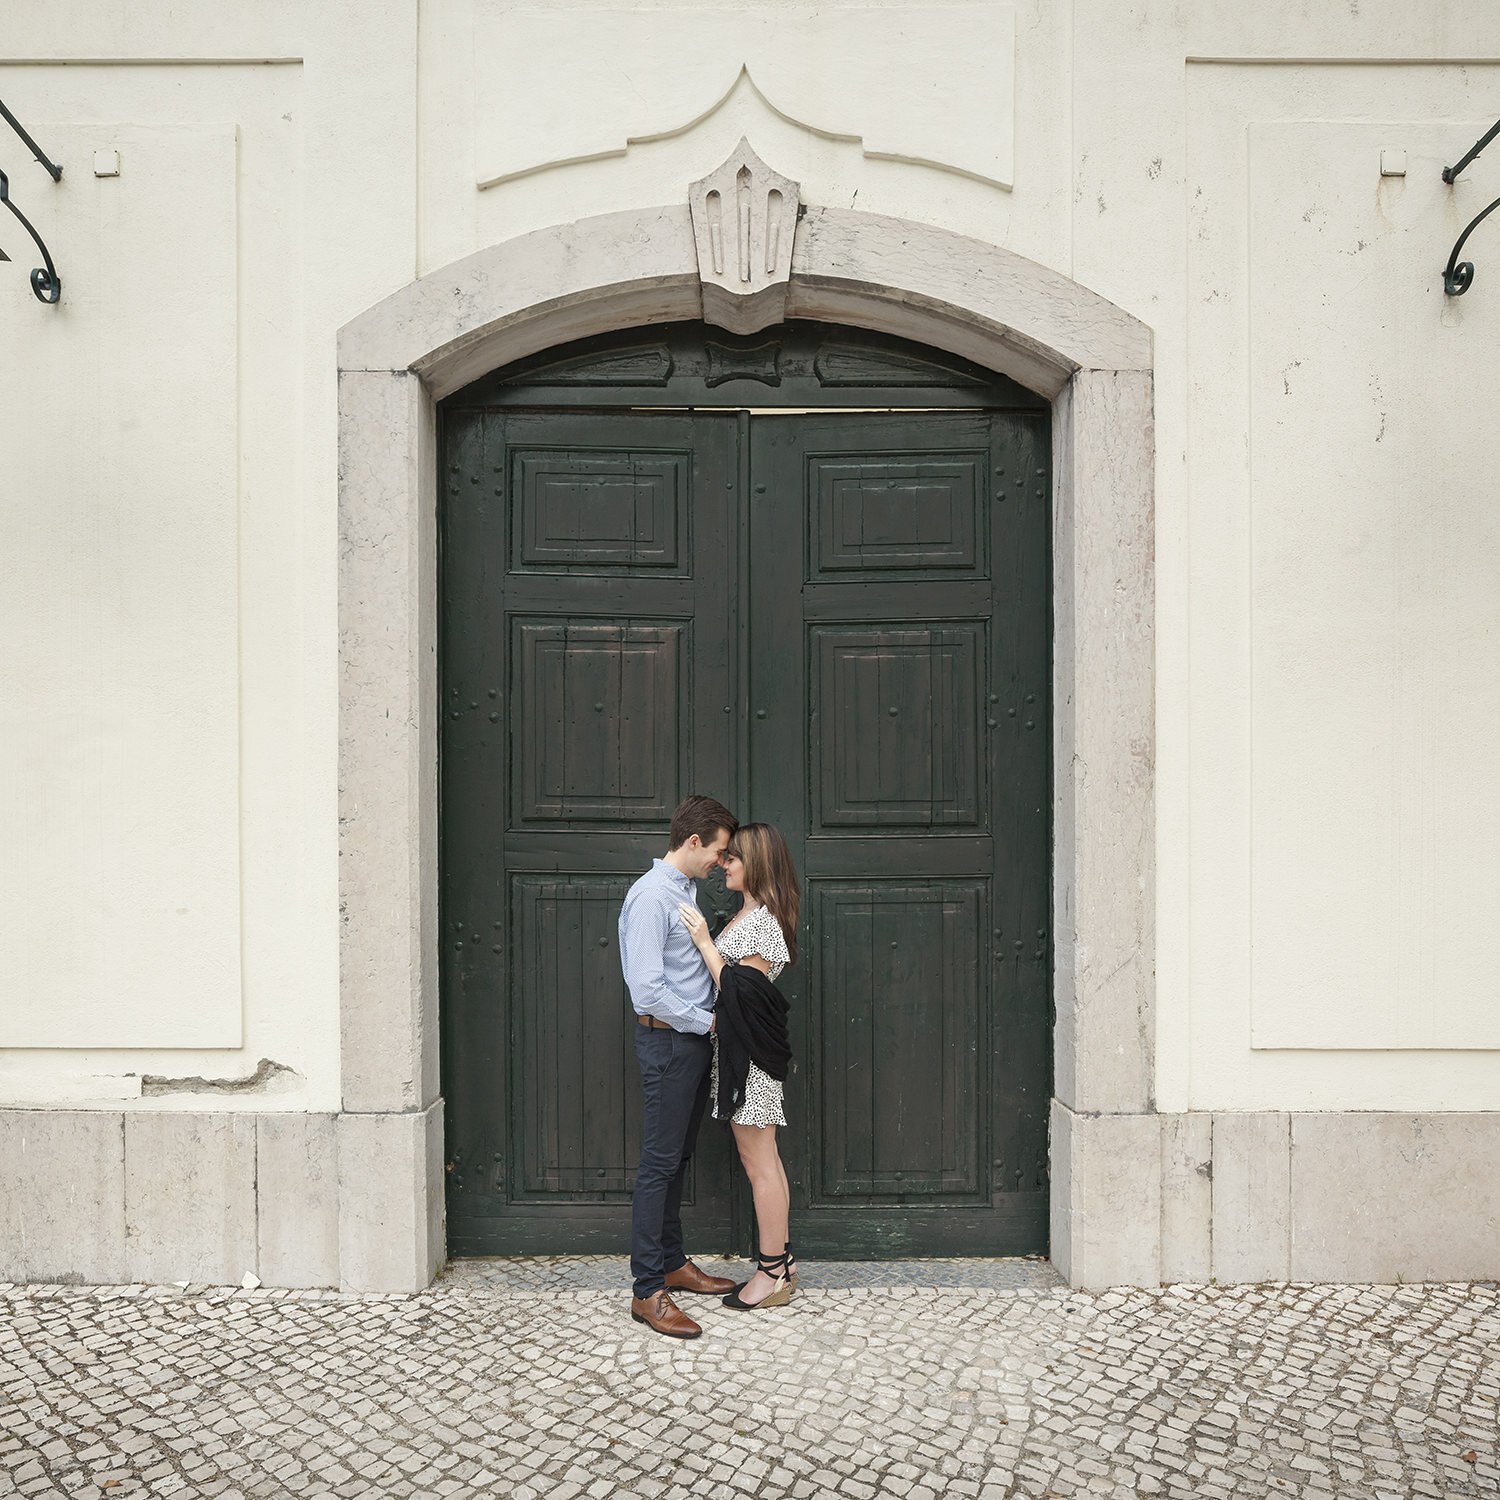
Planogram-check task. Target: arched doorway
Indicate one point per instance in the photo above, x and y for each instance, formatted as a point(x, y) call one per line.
point(639, 268)
point(807, 571)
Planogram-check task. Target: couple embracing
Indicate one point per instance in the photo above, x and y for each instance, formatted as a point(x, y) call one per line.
point(711, 1031)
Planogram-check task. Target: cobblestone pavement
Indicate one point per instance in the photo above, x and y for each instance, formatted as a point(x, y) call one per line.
point(527, 1379)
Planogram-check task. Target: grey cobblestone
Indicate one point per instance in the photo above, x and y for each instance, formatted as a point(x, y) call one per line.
point(979, 1379)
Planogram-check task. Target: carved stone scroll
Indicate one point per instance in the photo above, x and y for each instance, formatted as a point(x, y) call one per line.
point(744, 217)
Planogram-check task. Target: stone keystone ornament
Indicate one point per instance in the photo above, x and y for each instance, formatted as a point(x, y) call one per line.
point(744, 217)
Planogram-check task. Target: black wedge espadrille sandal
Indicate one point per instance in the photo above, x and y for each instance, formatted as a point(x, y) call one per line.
point(779, 1295)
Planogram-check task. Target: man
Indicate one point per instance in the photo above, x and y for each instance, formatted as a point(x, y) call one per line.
point(673, 996)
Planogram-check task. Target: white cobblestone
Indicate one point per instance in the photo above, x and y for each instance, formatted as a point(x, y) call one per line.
point(526, 1379)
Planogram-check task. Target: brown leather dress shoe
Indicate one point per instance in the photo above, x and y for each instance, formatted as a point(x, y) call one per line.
point(658, 1311)
point(688, 1278)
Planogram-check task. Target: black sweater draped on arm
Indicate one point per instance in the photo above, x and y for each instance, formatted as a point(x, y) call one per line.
point(751, 1024)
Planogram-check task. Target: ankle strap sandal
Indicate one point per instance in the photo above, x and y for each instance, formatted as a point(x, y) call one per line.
point(779, 1295)
point(791, 1266)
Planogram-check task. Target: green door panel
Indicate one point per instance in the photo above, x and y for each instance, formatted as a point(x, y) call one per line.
point(588, 575)
point(899, 674)
point(897, 1094)
point(899, 742)
point(577, 1118)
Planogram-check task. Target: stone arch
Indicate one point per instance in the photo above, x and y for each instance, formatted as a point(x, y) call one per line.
point(614, 271)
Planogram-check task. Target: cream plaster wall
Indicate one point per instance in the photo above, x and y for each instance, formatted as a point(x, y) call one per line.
point(1163, 156)
point(313, 101)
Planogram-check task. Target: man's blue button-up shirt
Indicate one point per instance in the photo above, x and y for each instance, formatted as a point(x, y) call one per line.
point(666, 974)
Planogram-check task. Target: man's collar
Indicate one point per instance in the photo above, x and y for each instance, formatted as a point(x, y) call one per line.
point(673, 873)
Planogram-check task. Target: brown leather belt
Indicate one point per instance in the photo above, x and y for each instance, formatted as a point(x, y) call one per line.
point(654, 1024)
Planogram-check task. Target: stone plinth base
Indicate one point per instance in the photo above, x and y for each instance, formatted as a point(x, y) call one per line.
point(1357, 1197)
point(298, 1200)
point(356, 1200)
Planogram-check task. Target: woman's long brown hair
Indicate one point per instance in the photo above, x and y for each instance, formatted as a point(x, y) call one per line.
point(770, 877)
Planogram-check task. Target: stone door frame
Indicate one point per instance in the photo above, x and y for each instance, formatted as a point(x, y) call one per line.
point(615, 271)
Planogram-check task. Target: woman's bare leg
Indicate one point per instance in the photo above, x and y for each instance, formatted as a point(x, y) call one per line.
point(772, 1195)
point(786, 1189)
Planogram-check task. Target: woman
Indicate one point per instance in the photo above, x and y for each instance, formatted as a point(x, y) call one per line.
point(751, 1049)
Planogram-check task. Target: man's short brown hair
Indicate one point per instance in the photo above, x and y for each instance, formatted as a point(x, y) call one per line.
point(703, 816)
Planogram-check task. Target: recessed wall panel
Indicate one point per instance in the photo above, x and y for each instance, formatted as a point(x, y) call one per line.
point(934, 84)
point(120, 614)
point(1375, 662)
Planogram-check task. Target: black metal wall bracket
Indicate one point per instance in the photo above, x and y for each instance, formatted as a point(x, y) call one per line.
point(45, 281)
point(1459, 275)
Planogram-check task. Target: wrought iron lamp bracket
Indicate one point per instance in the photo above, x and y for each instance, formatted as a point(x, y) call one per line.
point(1458, 276)
point(45, 282)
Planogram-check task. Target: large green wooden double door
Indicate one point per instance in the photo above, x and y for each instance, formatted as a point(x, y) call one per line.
point(837, 622)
